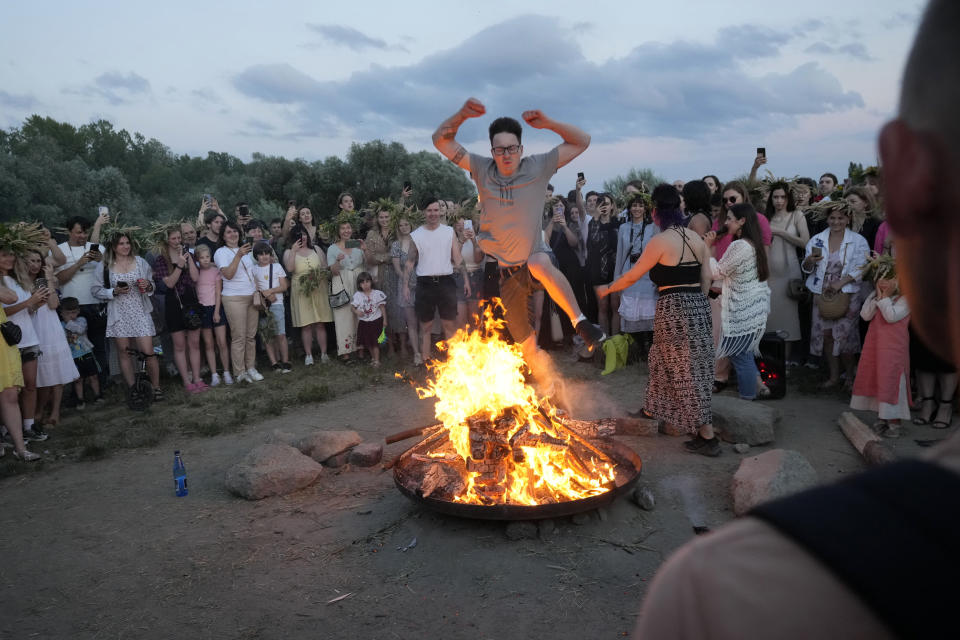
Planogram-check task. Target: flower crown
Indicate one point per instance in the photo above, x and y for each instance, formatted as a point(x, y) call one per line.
point(20, 237)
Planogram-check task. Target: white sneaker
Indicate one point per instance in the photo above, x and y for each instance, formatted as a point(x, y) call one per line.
point(227, 378)
point(254, 375)
point(215, 379)
point(324, 358)
point(243, 377)
point(308, 361)
point(417, 360)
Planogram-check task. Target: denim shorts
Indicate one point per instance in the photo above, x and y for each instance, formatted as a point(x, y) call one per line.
point(279, 317)
point(208, 322)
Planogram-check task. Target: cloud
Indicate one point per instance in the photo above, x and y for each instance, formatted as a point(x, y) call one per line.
point(903, 19)
point(679, 89)
point(17, 101)
point(348, 36)
point(114, 87)
point(853, 50)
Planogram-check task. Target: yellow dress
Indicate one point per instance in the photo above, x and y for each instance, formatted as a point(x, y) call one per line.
point(306, 309)
point(11, 374)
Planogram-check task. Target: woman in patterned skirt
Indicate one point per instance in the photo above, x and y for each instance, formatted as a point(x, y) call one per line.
point(681, 358)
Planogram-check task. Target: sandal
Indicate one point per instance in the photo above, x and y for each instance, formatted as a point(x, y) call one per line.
point(920, 419)
point(879, 427)
point(943, 424)
point(719, 385)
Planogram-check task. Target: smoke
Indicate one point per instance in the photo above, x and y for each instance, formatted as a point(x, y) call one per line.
point(688, 489)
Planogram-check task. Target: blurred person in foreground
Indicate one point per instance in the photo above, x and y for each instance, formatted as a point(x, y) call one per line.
point(845, 560)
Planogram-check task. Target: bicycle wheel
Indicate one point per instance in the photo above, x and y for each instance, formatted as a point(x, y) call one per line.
point(140, 395)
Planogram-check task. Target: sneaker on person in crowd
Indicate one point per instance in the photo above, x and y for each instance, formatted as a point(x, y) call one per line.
point(227, 378)
point(324, 358)
point(27, 456)
point(308, 361)
point(703, 446)
point(243, 377)
point(277, 367)
point(215, 380)
point(254, 375)
point(32, 435)
point(285, 367)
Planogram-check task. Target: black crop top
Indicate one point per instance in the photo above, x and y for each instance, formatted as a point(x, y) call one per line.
point(688, 272)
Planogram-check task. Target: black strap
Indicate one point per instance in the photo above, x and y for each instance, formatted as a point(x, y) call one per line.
point(891, 535)
point(683, 249)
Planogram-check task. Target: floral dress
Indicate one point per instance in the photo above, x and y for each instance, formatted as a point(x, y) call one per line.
point(845, 330)
point(396, 304)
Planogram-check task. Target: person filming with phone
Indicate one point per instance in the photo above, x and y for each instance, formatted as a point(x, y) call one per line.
point(77, 276)
point(236, 268)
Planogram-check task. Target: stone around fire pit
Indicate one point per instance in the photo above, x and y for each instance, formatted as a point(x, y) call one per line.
point(770, 475)
point(321, 445)
point(366, 454)
point(521, 530)
point(739, 420)
point(271, 470)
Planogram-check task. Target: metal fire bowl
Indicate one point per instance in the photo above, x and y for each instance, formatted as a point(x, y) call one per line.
point(628, 466)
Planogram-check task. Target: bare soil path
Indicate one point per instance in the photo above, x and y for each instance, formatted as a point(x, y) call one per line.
point(103, 549)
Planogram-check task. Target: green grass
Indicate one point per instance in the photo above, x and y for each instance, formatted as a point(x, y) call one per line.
point(100, 430)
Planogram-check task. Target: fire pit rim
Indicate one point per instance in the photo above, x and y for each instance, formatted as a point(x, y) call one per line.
point(622, 454)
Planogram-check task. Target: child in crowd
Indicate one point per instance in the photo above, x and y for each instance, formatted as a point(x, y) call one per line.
point(369, 305)
point(81, 348)
point(271, 282)
point(883, 376)
point(214, 325)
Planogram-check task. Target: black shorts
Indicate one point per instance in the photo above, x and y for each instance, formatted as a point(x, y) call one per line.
point(173, 312)
point(87, 365)
point(436, 293)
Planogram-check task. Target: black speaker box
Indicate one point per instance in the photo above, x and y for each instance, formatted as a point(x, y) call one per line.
point(772, 364)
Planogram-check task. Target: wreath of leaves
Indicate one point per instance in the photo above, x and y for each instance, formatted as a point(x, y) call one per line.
point(21, 237)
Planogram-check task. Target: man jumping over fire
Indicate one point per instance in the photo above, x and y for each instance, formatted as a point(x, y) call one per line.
point(511, 190)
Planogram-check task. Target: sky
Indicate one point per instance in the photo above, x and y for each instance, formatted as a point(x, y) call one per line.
point(686, 88)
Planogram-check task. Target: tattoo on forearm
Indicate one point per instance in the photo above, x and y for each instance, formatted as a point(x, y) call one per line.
point(458, 156)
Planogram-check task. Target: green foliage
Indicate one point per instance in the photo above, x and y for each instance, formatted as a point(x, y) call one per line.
point(855, 172)
point(615, 186)
point(51, 170)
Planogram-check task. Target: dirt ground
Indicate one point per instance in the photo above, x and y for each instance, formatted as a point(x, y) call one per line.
point(103, 549)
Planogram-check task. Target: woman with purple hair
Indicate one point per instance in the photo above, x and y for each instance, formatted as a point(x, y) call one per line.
point(681, 358)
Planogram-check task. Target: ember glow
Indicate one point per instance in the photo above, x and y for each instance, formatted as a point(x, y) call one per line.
point(507, 446)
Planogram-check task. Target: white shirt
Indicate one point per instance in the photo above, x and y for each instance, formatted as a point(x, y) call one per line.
point(262, 277)
point(241, 284)
point(21, 318)
point(434, 250)
point(82, 281)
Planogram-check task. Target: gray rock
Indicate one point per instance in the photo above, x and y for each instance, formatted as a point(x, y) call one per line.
point(521, 530)
point(739, 420)
point(603, 514)
point(271, 470)
point(366, 454)
point(741, 447)
point(644, 498)
point(337, 461)
point(770, 475)
point(546, 528)
point(321, 445)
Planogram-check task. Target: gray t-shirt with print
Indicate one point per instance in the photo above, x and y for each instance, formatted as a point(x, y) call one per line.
point(511, 207)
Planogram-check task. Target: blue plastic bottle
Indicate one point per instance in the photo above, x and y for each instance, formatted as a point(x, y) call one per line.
point(179, 475)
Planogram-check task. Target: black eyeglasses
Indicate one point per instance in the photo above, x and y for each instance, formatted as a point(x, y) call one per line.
point(511, 150)
point(733, 199)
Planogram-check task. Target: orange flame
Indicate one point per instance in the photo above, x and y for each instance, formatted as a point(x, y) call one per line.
point(483, 377)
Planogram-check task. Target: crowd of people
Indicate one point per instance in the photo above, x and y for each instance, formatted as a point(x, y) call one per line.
point(697, 272)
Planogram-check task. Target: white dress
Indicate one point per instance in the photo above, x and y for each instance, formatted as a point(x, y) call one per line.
point(55, 364)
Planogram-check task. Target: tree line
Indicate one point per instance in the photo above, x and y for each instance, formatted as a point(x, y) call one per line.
point(52, 170)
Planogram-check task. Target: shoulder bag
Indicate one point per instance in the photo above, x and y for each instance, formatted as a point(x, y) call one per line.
point(339, 298)
point(833, 305)
point(11, 333)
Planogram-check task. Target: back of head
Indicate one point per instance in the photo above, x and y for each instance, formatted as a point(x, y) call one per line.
point(69, 304)
point(696, 196)
point(666, 201)
point(930, 90)
point(505, 125)
point(920, 152)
